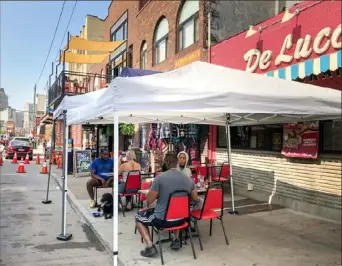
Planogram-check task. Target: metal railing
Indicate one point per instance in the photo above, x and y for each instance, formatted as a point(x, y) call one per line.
point(75, 83)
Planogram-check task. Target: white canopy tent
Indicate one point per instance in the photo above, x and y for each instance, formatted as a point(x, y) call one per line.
point(203, 93)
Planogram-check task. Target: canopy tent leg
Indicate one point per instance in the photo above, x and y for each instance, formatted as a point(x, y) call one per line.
point(229, 152)
point(47, 201)
point(116, 189)
point(64, 236)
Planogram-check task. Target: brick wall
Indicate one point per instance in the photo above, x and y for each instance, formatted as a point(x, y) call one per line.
point(141, 25)
point(316, 182)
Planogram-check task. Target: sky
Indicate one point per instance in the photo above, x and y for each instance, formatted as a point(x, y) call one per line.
point(26, 31)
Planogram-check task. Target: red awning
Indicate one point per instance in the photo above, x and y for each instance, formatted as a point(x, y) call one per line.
point(308, 19)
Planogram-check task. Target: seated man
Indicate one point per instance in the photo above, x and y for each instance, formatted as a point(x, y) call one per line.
point(161, 188)
point(99, 167)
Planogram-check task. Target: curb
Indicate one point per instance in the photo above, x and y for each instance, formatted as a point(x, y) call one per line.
point(77, 207)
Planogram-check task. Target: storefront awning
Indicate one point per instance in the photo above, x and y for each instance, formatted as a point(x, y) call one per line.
point(291, 45)
point(83, 59)
point(315, 66)
point(77, 43)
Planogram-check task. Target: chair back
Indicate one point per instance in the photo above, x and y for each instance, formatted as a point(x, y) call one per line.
point(144, 185)
point(213, 198)
point(178, 206)
point(196, 163)
point(133, 180)
point(225, 170)
point(202, 170)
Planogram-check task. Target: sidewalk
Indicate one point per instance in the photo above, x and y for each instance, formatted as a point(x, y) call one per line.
point(258, 236)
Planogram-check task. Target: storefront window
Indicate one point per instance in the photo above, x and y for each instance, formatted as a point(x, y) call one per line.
point(263, 137)
point(331, 136)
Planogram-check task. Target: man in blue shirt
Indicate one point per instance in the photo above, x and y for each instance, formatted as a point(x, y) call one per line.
point(99, 168)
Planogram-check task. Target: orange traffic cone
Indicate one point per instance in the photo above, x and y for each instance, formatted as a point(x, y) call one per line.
point(27, 160)
point(21, 168)
point(15, 159)
point(38, 159)
point(1, 161)
point(44, 169)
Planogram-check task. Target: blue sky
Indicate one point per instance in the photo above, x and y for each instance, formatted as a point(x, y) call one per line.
point(26, 32)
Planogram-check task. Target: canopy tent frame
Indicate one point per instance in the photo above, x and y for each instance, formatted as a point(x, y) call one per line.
point(292, 102)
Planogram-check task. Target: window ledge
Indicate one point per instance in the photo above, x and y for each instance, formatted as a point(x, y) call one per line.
point(142, 8)
point(275, 153)
point(187, 48)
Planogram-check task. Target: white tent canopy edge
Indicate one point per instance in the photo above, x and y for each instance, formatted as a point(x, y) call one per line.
point(185, 90)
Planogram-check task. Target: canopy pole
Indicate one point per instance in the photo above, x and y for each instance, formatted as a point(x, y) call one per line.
point(229, 152)
point(116, 189)
point(47, 201)
point(64, 236)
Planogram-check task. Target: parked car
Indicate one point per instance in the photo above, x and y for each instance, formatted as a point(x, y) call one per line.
point(20, 147)
point(22, 139)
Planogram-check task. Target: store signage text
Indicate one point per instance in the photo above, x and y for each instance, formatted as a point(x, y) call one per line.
point(326, 38)
point(192, 57)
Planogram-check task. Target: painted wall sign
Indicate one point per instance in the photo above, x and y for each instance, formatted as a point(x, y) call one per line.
point(189, 58)
point(304, 47)
point(314, 32)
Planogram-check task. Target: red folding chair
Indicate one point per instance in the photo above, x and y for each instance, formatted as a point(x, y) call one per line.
point(213, 202)
point(224, 174)
point(178, 208)
point(196, 163)
point(132, 187)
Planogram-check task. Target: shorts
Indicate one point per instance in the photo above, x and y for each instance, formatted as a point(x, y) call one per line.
point(147, 218)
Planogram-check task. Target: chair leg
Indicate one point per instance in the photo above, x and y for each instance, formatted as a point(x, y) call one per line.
point(199, 235)
point(224, 232)
point(192, 244)
point(122, 207)
point(211, 226)
point(160, 248)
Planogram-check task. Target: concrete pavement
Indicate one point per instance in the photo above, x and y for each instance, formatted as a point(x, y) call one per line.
point(261, 237)
point(28, 228)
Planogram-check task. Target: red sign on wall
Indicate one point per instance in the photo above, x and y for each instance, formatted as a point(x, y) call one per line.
point(273, 44)
point(301, 140)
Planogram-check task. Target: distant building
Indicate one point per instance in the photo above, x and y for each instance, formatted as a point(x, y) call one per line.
point(19, 119)
point(28, 116)
point(3, 99)
point(7, 114)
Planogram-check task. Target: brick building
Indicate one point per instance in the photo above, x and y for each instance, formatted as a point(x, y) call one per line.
point(164, 35)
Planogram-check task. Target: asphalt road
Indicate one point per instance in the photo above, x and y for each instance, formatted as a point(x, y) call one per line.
point(28, 228)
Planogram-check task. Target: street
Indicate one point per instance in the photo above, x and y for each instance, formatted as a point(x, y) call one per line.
point(29, 228)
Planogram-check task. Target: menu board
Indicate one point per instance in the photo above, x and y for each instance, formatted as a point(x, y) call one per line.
point(82, 161)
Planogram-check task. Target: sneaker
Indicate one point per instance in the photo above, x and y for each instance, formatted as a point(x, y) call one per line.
point(175, 244)
point(92, 204)
point(149, 251)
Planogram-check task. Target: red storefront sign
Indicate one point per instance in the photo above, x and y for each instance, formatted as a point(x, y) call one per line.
point(301, 140)
point(314, 31)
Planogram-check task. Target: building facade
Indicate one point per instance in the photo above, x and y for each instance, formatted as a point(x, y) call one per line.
point(28, 117)
point(3, 99)
point(288, 46)
point(165, 35)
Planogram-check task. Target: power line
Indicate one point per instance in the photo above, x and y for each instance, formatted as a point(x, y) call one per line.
point(53, 39)
point(66, 30)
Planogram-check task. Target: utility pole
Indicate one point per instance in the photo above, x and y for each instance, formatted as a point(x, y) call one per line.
point(34, 107)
